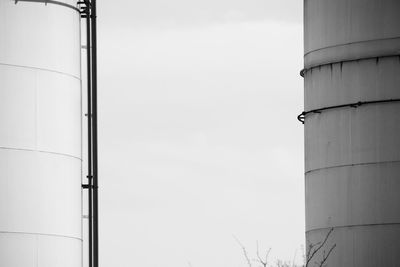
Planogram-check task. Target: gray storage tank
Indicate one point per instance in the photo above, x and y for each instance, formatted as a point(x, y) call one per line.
point(352, 148)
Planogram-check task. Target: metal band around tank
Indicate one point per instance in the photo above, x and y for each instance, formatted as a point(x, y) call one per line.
point(302, 116)
point(305, 70)
point(353, 225)
point(350, 52)
point(50, 2)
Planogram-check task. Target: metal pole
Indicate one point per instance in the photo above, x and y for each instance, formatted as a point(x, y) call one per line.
point(95, 141)
point(89, 124)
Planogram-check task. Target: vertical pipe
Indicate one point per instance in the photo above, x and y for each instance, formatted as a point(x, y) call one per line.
point(89, 124)
point(95, 149)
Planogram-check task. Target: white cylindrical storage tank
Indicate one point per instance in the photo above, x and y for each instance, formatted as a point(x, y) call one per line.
point(352, 159)
point(40, 134)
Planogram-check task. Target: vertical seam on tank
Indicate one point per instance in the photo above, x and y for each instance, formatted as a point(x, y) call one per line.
point(353, 239)
point(36, 251)
point(81, 131)
point(3, 20)
point(350, 135)
point(36, 109)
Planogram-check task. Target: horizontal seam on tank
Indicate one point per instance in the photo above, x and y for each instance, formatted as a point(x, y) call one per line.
point(41, 151)
point(43, 234)
point(354, 164)
point(350, 43)
point(305, 70)
point(51, 2)
point(42, 69)
point(353, 225)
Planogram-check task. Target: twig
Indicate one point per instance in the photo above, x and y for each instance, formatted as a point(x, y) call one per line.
point(311, 254)
point(294, 258)
point(244, 251)
point(326, 256)
point(263, 262)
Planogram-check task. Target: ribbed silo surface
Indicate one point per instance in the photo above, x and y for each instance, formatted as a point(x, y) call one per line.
point(352, 163)
point(40, 135)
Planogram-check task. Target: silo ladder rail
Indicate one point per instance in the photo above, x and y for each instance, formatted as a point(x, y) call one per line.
point(301, 117)
point(87, 10)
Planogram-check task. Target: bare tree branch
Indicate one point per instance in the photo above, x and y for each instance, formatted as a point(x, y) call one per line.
point(244, 251)
point(310, 250)
point(325, 257)
point(280, 263)
point(294, 259)
point(260, 260)
point(303, 253)
point(311, 253)
point(309, 256)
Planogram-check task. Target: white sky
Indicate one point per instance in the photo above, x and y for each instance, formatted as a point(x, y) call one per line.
point(198, 133)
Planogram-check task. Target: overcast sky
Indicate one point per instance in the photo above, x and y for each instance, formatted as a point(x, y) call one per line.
point(198, 133)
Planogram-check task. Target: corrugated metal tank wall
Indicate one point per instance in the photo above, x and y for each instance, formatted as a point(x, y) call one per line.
point(352, 159)
point(40, 135)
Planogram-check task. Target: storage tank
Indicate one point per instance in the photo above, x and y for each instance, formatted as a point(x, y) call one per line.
point(352, 130)
point(40, 134)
